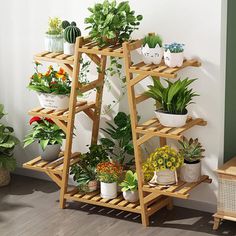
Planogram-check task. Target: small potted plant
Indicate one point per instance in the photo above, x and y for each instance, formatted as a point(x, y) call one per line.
point(108, 174)
point(192, 152)
point(48, 135)
point(152, 50)
point(111, 23)
point(54, 36)
point(84, 172)
point(7, 144)
point(160, 167)
point(53, 87)
point(130, 187)
point(173, 54)
point(71, 32)
point(172, 101)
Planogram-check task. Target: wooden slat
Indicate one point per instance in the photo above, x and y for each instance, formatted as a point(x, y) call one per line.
point(32, 162)
point(97, 198)
point(117, 200)
point(141, 98)
point(90, 195)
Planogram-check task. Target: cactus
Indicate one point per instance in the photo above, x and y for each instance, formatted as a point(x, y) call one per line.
point(70, 33)
point(65, 24)
point(73, 23)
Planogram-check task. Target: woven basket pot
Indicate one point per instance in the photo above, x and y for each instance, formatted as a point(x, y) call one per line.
point(4, 177)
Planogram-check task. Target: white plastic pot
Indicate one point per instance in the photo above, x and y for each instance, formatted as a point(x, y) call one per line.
point(108, 190)
point(131, 196)
point(69, 48)
point(152, 55)
point(163, 177)
point(173, 59)
point(171, 120)
point(190, 172)
point(53, 43)
point(51, 152)
point(53, 101)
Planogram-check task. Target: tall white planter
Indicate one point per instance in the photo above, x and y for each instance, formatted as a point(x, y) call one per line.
point(53, 43)
point(108, 190)
point(69, 48)
point(173, 59)
point(152, 55)
point(163, 177)
point(131, 196)
point(53, 101)
point(190, 172)
point(51, 152)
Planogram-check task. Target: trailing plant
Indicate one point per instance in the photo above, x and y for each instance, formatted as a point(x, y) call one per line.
point(191, 150)
point(112, 23)
point(130, 183)
point(152, 41)
point(8, 141)
point(71, 32)
point(54, 26)
point(163, 158)
point(119, 143)
point(174, 47)
point(45, 132)
point(174, 98)
point(53, 81)
point(108, 172)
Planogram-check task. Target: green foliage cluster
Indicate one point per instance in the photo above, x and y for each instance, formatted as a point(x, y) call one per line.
point(152, 41)
point(54, 26)
point(71, 32)
point(130, 183)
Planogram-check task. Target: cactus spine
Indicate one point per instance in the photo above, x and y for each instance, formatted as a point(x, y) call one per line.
point(70, 33)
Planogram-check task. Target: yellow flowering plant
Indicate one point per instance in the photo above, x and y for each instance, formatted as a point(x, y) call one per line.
point(161, 159)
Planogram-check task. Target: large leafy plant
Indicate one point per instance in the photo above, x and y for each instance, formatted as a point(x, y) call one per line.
point(112, 23)
point(130, 183)
point(174, 98)
point(7, 144)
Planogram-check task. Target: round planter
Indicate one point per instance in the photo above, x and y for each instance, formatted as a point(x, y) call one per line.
point(173, 59)
point(53, 43)
point(108, 190)
point(69, 48)
point(4, 177)
point(131, 196)
point(163, 177)
point(90, 187)
point(51, 152)
point(53, 101)
point(190, 172)
point(152, 55)
point(171, 120)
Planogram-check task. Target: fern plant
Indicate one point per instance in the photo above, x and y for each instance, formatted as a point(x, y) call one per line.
point(152, 41)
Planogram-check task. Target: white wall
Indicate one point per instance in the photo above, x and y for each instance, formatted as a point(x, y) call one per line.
point(199, 24)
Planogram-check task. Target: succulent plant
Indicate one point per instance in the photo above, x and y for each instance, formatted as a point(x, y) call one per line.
point(191, 150)
point(152, 41)
point(174, 47)
point(65, 24)
point(70, 33)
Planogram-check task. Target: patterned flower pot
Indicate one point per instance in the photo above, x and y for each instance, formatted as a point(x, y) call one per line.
point(5, 177)
point(173, 59)
point(163, 177)
point(108, 190)
point(152, 55)
point(53, 101)
point(51, 152)
point(131, 196)
point(69, 48)
point(190, 172)
point(53, 43)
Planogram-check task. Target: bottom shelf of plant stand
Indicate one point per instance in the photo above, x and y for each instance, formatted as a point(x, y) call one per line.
point(180, 190)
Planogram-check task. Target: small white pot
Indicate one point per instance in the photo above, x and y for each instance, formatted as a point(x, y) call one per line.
point(108, 190)
point(173, 59)
point(131, 196)
point(163, 177)
point(171, 120)
point(69, 48)
point(51, 152)
point(53, 101)
point(152, 55)
point(190, 172)
point(53, 43)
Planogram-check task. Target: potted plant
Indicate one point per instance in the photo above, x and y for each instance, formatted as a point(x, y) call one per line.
point(130, 187)
point(172, 101)
point(152, 50)
point(54, 36)
point(84, 172)
point(173, 54)
point(71, 32)
point(48, 135)
point(7, 144)
point(160, 167)
point(53, 87)
point(192, 152)
point(111, 23)
point(108, 174)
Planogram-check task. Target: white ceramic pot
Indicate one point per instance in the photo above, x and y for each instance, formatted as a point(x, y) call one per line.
point(69, 48)
point(51, 152)
point(53, 43)
point(152, 55)
point(163, 177)
point(5, 177)
point(108, 190)
point(190, 172)
point(53, 101)
point(131, 196)
point(171, 120)
point(173, 59)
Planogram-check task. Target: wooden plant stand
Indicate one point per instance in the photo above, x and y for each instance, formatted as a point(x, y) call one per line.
point(151, 199)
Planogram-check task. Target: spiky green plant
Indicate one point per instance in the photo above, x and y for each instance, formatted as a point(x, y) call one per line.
point(191, 149)
point(54, 26)
point(152, 41)
point(65, 24)
point(71, 33)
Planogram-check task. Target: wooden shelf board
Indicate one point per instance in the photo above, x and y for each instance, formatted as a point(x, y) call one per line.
point(224, 216)
point(161, 70)
point(180, 190)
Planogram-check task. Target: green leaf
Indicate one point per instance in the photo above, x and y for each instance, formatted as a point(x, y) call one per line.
point(44, 143)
